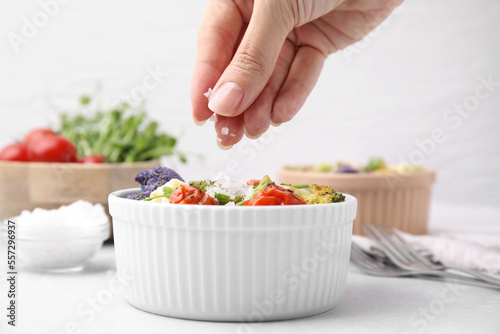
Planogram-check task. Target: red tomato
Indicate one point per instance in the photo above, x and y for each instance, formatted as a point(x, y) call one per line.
point(275, 195)
point(53, 148)
point(92, 159)
point(14, 152)
point(191, 195)
point(253, 182)
point(36, 134)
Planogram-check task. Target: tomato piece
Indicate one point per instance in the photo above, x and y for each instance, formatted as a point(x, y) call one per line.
point(53, 148)
point(191, 195)
point(275, 195)
point(253, 182)
point(14, 152)
point(92, 159)
point(264, 200)
point(36, 134)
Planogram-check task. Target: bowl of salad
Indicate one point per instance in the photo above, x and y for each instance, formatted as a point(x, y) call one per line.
point(226, 250)
point(88, 155)
point(388, 195)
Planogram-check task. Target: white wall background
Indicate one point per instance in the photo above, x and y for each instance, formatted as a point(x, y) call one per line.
point(380, 97)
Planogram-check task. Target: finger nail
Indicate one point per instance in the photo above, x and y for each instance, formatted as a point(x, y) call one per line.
point(275, 124)
point(199, 123)
point(226, 99)
point(250, 136)
point(222, 147)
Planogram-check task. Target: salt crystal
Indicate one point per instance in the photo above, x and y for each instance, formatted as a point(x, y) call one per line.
point(224, 131)
point(207, 94)
point(79, 213)
point(61, 239)
point(223, 184)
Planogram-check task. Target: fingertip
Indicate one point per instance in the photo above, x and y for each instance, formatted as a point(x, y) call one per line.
point(223, 147)
point(229, 129)
point(285, 108)
point(199, 123)
point(251, 136)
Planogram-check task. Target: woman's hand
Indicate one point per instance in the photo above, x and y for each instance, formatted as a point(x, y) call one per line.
point(264, 57)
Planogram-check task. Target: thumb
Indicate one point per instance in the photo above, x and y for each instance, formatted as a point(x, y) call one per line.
point(254, 60)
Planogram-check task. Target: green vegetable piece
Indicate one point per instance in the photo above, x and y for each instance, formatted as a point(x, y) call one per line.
point(168, 191)
point(320, 195)
point(152, 198)
point(85, 99)
point(222, 198)
point(202, 185)
point(376, 163)
point(323, 168)
point(264, 182)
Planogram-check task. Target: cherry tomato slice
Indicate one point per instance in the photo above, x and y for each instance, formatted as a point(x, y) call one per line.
point(275, 195)
point(253, 182)
point(191, 195)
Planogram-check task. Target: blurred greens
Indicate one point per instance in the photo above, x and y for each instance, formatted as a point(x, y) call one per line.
point(119, 134)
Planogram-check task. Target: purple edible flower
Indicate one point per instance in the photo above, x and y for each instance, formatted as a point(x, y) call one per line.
point(346, 169)
point(137, 197)
point(151, 179)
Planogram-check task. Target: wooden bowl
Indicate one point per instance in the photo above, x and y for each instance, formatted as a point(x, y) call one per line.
point(27, 185)
point(400, 200)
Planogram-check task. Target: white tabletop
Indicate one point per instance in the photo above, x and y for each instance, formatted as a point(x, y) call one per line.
point(91, 301)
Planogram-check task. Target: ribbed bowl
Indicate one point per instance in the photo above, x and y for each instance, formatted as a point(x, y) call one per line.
point(242, 264)
point(399, 200)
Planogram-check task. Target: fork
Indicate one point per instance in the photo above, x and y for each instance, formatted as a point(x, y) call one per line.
point(405, 256)
point(439, 266)
point(370, 265)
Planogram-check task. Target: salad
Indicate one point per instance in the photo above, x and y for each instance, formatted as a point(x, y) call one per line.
point(375, 165)
point(164, 185)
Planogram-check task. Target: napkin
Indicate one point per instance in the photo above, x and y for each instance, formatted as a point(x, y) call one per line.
point(472, 251)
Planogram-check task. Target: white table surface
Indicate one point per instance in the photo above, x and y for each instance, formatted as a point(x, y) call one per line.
point(61, 303)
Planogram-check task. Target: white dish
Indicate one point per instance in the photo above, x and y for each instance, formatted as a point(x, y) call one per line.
point(240, 264)
point(56, 249)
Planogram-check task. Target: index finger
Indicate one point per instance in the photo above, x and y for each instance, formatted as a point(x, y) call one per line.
point(217, 38)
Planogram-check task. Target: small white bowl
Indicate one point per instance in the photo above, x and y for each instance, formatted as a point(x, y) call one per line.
point(56, 249)
point(242, 264)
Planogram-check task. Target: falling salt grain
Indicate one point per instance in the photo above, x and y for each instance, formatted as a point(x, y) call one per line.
point(207, 94)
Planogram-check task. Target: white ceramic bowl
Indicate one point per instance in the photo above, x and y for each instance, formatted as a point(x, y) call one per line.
point(56, 249)
point(242, 264)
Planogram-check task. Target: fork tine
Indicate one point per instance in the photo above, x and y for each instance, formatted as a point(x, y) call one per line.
point(392, 254)
point(401, 249)
point(482, 276)
point(409, 247)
